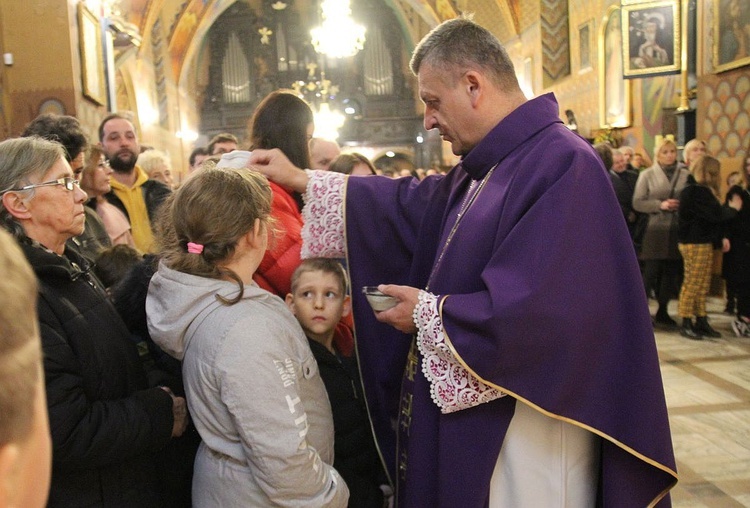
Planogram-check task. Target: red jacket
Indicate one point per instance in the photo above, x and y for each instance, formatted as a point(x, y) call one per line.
point(282, 257)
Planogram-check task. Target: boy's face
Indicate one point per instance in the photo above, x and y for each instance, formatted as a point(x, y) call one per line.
point(318, 303)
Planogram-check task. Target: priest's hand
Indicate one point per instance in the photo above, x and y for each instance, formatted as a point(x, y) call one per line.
point(277, 168)
point(401, 316)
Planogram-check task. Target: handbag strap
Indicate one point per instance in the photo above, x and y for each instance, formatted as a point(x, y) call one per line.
point(675, 177)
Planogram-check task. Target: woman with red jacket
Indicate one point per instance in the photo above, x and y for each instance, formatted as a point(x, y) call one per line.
point(284, 121)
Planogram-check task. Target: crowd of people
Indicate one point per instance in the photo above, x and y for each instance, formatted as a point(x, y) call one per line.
point(678, 221)
point(205, 343)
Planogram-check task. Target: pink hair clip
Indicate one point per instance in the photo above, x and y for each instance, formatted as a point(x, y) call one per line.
point(194, 248)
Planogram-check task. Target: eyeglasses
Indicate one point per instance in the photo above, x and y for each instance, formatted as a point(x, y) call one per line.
point(68, 182)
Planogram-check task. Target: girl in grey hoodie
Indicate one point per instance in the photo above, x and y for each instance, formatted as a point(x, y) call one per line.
point(251, 382)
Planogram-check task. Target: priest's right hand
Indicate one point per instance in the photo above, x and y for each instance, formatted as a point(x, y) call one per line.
point(277, 168)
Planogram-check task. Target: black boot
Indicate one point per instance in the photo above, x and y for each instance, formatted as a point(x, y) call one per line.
point(702, 327)
point(662, 317)
point(688, 331)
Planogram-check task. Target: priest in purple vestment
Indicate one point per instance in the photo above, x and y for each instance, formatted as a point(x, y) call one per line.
point(519, 367)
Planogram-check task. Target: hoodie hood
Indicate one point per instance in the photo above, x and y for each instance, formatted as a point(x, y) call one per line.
point(176, 300)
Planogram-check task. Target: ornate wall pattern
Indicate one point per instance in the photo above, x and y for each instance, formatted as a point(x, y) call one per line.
point(159, 52)
point(724, 118)
point(555, 41)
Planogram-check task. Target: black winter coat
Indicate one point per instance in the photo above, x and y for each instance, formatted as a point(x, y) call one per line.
point(624, 186)
point(176, 462)
point(106, 424)
point(736, 263)
point(355, 455)
point(702, 219)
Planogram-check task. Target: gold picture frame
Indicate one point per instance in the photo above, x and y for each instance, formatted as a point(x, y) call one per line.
point(651, 39)
point(731, 22)
point(614, 92)
point(92, 56)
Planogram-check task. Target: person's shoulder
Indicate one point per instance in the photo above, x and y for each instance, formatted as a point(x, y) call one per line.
point(155, 185)
point(258, 311)
point(111, 197)
point(693, 191)
point(319, 351)
point(734, 190)
point(649, 171)
point(282, 200)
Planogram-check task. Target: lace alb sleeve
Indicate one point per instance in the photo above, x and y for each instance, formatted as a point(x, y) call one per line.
point(452, 387)
point(323, 215)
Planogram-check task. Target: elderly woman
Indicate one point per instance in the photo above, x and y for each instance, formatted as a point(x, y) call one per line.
point(67, 131)
point(106, 423)
point(656, 193)
point(157, 166)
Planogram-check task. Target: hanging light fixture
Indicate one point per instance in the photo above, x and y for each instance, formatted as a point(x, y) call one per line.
point(318, 92)
point(327, 122)
point(338, 36)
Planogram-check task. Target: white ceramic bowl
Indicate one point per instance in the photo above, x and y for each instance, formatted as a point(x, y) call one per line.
point(378, 301)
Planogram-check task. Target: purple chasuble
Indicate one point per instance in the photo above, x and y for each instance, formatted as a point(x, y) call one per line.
point(542, 298)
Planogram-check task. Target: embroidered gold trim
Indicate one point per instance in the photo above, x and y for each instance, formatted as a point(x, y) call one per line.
point(582, 425)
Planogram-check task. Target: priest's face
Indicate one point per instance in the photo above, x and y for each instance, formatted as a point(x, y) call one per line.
point(447, 107)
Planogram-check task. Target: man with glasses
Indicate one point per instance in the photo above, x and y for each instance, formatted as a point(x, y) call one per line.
point(67, 131)
point(133, 192)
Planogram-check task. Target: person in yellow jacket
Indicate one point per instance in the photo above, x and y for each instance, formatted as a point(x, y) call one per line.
point(132, 192)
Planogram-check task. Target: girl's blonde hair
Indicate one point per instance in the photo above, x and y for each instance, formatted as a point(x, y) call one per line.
point(213, 208)
point(707, 170)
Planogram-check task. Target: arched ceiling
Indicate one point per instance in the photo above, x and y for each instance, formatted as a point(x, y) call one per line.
point(184, 23)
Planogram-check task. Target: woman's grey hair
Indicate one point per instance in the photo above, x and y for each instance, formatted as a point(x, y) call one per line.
point(152, 159)
point(21, 160)
point(460, 44)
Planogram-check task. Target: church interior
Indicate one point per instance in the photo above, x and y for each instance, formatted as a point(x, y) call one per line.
point(186, 70)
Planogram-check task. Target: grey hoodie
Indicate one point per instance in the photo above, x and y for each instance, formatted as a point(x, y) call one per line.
point(253, 391)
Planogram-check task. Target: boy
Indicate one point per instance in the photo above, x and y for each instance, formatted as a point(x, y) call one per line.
point(319, 300)
point(25, 444)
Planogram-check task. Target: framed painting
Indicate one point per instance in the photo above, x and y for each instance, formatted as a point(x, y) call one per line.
point(92, 56)
point(731, 44)
point(584, 46)
point(651, 39)
point(614, 92)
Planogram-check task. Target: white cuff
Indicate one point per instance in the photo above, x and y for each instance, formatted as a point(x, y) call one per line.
point(452, 387)
point(323, 215)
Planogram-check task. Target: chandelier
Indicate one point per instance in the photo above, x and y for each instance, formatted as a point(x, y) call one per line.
point(318, 93)
point(338, 36)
